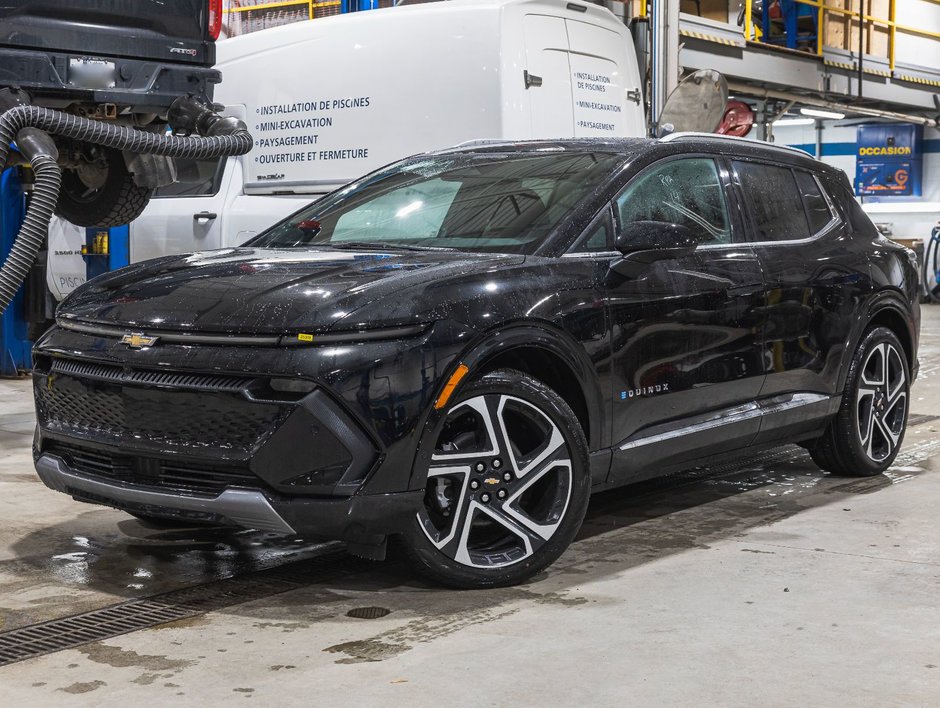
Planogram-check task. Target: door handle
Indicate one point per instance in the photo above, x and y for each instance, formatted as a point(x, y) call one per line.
point(207, 215)
point(531, 79)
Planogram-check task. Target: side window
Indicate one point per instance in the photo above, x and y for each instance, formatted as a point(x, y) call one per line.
point(817, 208)
point(684, 191)
point(597, 239)
point(774, 201)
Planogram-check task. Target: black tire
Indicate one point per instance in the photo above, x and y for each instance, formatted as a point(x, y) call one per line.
point(864, 437)
point(118, 201)
point(516, 505)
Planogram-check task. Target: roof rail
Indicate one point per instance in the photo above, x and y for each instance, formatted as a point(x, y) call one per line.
point(672, 137)
point(477, 142)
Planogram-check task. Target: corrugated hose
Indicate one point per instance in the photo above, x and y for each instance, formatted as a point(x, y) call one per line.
point(218, 137)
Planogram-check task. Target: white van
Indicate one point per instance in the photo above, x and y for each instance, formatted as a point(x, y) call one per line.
point(330, 100)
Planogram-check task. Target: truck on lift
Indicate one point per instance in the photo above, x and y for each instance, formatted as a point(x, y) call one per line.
point(123, 62)
point(96, 101)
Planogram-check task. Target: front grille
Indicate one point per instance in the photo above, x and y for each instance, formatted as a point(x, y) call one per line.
point(173, 475)
point(154, 411)
point(110, 372)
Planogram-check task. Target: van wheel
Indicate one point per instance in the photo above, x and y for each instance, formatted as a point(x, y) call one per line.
point(864, 437)
point(101, 193)
point(507, 485)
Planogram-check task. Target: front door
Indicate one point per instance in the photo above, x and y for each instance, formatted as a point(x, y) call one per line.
point(685, 334)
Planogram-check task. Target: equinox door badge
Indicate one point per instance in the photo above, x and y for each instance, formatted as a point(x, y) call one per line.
point(644, 391)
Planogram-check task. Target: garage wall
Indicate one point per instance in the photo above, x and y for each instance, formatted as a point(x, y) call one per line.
point(911, 48)
point(910, 217)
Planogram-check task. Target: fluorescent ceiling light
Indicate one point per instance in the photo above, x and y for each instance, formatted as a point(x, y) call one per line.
point(794, 121)
point(816, 113)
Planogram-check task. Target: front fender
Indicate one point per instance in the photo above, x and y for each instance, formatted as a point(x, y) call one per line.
point(485, 348)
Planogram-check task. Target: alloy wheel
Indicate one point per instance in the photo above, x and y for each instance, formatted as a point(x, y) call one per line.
point(881, 402)
point(499, 482)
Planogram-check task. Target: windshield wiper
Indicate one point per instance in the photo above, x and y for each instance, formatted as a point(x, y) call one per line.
point(371, 245)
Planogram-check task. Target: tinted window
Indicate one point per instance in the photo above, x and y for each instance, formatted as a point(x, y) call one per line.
point(494, 202)
point(597, 239)
point(817, 208)
point(774, 201)
point(686, 192)
point(858, 219)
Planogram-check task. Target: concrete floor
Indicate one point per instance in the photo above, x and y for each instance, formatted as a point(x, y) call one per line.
point(765, 582)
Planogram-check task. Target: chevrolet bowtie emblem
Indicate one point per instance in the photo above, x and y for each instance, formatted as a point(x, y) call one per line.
point(136, 340)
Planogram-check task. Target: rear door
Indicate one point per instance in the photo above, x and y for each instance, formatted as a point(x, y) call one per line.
point(548, 76)
point(816, 275)
point(602, 75)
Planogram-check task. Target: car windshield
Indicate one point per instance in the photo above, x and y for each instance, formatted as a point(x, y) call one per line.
point(493, 202)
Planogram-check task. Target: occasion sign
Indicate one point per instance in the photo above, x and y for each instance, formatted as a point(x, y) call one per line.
point(889, 160)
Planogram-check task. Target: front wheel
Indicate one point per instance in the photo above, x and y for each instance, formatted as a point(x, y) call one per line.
point(864, 437)
point(507, 485)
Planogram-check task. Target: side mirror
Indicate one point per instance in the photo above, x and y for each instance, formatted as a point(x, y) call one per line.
point(642, 243)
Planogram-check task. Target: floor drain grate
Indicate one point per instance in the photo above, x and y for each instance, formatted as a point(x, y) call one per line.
point(131, 616)
point(367, 613)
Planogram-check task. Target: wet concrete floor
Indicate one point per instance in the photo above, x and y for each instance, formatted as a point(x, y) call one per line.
point(761, 581)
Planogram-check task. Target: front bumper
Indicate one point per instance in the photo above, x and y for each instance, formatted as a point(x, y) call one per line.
point(364, 519)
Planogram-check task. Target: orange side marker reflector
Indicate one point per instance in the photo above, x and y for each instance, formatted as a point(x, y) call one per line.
point(455, 378)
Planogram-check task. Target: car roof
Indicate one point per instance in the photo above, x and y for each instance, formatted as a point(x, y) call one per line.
point(675, 143)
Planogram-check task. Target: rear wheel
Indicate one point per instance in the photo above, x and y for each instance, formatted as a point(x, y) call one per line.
point(101, 191)
point(507, 485)
point(866, 434)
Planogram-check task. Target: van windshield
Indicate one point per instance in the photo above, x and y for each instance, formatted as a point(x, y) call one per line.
point(491, 202)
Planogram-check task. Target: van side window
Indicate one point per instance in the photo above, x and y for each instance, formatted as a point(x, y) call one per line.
point(774, 201)
point(817, 208)
point(686, 191)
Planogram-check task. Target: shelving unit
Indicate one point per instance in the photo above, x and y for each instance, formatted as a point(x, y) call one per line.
point(244, 16)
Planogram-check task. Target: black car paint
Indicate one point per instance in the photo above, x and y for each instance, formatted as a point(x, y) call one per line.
point(726, 325)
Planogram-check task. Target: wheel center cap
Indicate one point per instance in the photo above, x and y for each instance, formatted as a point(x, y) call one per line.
point(880, 401)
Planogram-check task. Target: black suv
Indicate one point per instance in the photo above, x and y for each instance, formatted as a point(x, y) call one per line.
point(121, 61)
point(458, 348)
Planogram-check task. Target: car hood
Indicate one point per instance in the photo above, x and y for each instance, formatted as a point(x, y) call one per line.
point(252, 290)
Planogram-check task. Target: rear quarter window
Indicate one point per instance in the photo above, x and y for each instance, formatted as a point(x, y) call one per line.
point(817, 207)
point(774, 201)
